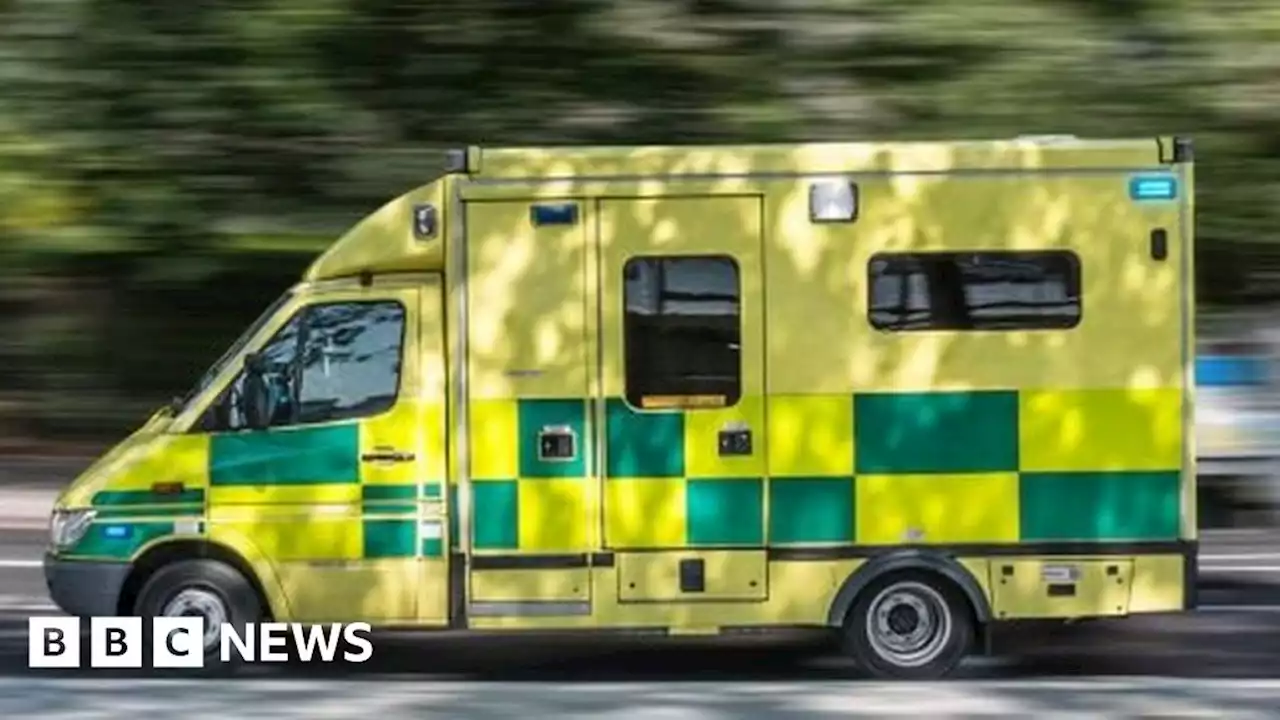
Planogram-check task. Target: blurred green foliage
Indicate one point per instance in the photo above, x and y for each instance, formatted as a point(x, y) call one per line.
point(167, 168)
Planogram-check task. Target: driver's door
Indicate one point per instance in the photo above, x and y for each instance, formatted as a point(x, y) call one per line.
point(325, 482)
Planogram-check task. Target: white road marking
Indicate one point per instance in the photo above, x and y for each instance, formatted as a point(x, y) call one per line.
point(1238, 609)
point(1242, 556)
point(31, 524)
point(1237, 532)
point(6, 600)
point(17, 563)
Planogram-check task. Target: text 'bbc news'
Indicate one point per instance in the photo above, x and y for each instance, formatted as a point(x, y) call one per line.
point(178, 642)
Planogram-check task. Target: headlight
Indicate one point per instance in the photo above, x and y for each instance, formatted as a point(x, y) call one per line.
point(66, 527)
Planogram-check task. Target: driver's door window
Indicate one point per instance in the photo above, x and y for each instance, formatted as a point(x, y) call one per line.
point(331, 361)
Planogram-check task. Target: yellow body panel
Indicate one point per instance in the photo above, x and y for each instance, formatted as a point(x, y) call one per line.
point(384, 241)
point(291, 533)
point(701, 429)
point(228, 501)
point(980, 570)
point(545, 167)
point(381, 591)
point(1089, 587)
point(513, 448)
point(265, 567)
point(644, 513)
point(811, 435)
point(1159, 583)
point(1131, 309)
point(555, 513)
point(937, 509)
point(140, 462)
point(573, 584)
point(648, 577)
point(400, 429)
point(800, 593)
point(528, 311)
point(1101, 429)
point(493, 424)
point(433, 595)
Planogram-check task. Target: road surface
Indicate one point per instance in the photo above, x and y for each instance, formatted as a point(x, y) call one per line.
point(1222, 660)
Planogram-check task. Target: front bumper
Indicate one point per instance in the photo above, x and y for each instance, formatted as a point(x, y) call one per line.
point(85, 588)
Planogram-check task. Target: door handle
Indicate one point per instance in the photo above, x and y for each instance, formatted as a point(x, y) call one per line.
point(387, 455)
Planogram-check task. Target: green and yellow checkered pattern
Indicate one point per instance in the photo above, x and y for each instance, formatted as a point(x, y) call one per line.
point(875, 468)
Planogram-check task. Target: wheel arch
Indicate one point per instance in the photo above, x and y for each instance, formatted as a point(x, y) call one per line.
point(909, 559)
point(254, 569)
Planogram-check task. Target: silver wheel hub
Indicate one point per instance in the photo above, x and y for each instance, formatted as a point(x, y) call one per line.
point(203, 604)
point(909, 624)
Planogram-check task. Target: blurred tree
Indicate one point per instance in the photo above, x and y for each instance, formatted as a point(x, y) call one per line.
point(152, 153)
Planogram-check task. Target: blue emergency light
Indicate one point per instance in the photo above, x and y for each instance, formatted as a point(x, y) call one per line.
point(554, 214)
point(1147, 188)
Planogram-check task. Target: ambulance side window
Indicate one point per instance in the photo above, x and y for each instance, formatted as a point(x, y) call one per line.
point(682, 331)
point(996, 290)
point(330, 362)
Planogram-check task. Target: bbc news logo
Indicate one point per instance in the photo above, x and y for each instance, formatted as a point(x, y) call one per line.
point(177, 642)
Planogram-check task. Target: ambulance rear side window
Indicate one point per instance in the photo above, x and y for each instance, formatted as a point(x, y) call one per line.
point(995, 290)
point(682, 331)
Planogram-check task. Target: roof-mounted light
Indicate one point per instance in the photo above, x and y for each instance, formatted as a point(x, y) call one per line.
point(455, 160)
point(833, 201)
point(462, 160)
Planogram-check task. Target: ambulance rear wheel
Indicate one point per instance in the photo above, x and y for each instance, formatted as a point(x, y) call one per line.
point(210, 590)
point(911, 626)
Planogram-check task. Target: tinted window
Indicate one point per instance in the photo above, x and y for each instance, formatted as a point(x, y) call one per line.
point(330, 362)
point(975, 291)
point(682, 331)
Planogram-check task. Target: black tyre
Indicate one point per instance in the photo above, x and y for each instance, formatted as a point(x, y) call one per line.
point(911, 625)
point(208, 589)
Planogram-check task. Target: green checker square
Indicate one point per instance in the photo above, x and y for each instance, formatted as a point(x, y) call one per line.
point(535, 415)
point(390, 538)
point(496, 514)
point(1113, 506)
point(125, 498)
point(725, 511)
point(936, 432)
point(380, 493)
point(119, 540)
point(432, 547)
point(301, 456)
point(811, 510)
point(643, 444)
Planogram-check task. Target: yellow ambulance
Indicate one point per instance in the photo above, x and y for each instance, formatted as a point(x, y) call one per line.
point(905, 391)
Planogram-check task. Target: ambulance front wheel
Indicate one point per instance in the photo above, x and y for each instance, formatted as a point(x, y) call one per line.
point(208, 589)
point(911, 626)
